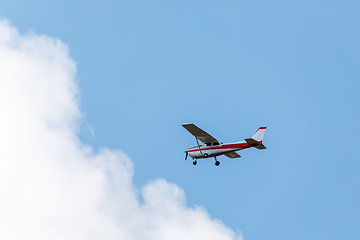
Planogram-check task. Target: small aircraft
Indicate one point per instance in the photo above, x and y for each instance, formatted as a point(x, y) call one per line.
point(213, 148)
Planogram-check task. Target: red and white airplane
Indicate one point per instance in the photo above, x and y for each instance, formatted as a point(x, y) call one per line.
point(213, 148)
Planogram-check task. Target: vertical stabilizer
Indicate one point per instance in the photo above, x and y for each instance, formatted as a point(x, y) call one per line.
point(259, 134)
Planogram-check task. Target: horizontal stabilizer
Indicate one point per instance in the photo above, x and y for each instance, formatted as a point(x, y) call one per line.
point(255, 143)
point(232, 155)
point(251, 141)
point(260, 146)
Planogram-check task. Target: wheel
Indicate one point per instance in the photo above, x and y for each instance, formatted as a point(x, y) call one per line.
point(195, 162)
point(217, 163)
point(206, 155)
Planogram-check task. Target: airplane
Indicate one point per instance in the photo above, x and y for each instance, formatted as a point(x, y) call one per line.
point(213, 148)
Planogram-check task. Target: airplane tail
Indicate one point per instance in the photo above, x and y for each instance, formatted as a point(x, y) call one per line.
point(257, 138)
point(259, 134)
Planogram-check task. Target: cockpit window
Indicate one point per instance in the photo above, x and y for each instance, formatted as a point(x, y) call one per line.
point(215, 143)
point(208, 144)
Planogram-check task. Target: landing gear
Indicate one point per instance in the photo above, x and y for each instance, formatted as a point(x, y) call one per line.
point(217, 163)
point(194, 162)
point(206, 155)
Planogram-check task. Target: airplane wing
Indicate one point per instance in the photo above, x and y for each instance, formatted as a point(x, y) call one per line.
point(232, 155)
point(199, 133)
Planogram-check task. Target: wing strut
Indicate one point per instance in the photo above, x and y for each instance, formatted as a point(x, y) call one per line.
point(198, 145)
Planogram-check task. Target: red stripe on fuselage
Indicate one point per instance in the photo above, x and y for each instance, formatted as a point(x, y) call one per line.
point(224, 146)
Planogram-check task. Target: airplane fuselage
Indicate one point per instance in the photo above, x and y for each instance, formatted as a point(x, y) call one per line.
point(213, 151)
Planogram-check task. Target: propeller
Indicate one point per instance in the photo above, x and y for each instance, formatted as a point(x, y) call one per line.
point(186, 153)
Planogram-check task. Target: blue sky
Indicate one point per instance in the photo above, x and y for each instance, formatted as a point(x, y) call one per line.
point(144, 68)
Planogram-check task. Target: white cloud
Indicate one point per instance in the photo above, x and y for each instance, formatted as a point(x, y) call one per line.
point(54, 187)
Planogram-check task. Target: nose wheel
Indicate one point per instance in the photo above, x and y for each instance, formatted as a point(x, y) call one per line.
point(194, 162)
